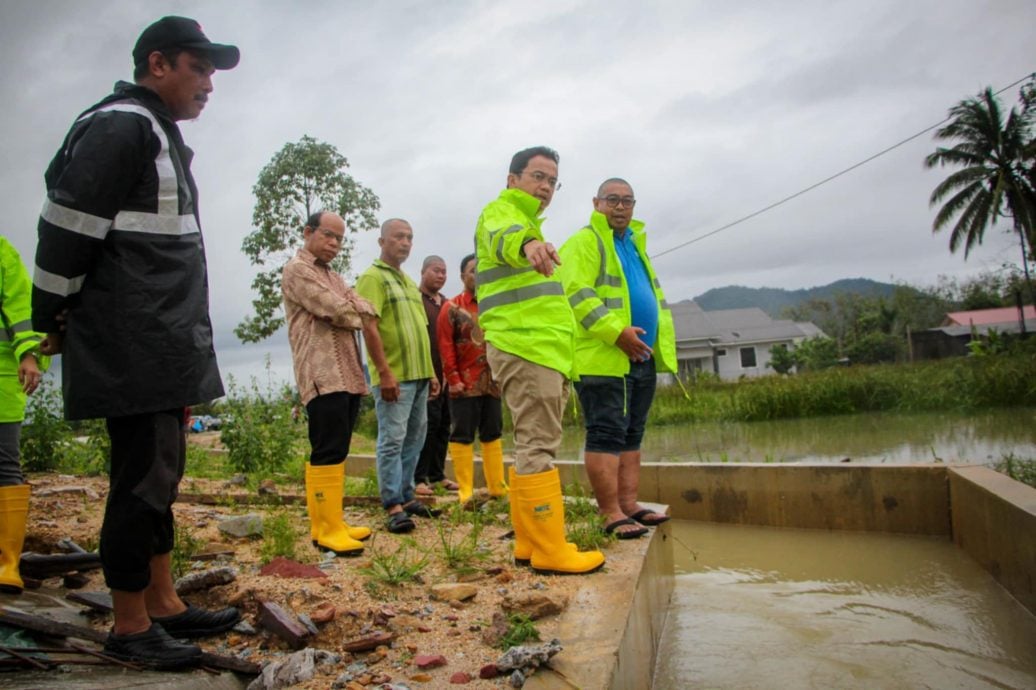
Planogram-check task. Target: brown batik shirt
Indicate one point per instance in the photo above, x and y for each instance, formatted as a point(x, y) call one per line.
point(324, 318)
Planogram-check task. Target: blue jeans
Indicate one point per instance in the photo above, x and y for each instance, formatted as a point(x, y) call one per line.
point(401, 430)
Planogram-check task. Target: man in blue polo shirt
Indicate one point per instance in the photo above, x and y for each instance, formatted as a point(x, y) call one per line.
point(624, 336)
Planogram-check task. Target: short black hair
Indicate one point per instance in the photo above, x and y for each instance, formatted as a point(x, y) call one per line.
point(521, 159)
point(314, 219)
point(465, 260)
point(610, 180)
point(141, 69)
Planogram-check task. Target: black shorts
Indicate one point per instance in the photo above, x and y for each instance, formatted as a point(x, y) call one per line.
point(616, 408)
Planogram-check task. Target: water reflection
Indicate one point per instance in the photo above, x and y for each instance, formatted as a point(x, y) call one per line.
point(757, 607)
point(878, 437)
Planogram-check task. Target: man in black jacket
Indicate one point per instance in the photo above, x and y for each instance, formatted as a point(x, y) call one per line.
point(121, 290)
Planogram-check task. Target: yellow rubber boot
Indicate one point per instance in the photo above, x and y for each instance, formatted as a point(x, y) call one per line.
point(541, 511)
point(463, 456)
point(14, 508)
point(522, 545)
point(324, 493)
point(357, 533)
point(493, 467)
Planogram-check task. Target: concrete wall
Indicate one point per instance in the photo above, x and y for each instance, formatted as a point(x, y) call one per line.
point(994, 521)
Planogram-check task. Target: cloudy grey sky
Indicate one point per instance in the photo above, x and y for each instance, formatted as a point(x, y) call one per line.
point(711, 110)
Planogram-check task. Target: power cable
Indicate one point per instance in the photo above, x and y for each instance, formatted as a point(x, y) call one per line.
point(823, 181)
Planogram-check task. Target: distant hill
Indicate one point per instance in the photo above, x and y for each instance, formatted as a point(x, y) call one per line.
point(774, 300)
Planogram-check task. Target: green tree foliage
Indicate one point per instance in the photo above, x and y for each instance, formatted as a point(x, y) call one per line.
point(257, 430)
point(781, 359)
point(815, 354)
point(995, 180)
point(302, 178)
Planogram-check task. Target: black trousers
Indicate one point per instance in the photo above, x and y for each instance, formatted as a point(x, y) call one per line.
point(433, 455)
point(148, 454)
point(481, 413)
point(331, 421)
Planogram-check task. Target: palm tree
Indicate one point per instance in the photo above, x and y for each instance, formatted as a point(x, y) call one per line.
point(996, 179)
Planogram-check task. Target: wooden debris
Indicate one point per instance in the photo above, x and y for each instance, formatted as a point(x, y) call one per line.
point(98, 601)
point(368, 643)
point(283, 624)
point(41, 566)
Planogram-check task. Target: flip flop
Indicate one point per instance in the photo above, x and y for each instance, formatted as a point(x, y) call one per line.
point(418, 509)
point(449, 485)
point(613, 527)
point(399, 523)
point(423, 489)
point(641, 517)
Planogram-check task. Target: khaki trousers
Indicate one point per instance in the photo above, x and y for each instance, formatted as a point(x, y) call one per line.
point(536, 396)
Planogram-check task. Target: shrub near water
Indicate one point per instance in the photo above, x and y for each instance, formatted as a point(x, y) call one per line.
point(952, 384)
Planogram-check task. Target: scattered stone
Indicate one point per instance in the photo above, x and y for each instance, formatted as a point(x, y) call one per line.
point(248, 525)
point(236, 480)
point(421, 678)
point(205, 579)
point(296, 668)
point(267, 488)
point(523, 660)
point(412, 648)
point(283, 624)
point(324, 613)
point(495, 570)
point(285, 567)
point(534, 605)
point(454, 591)
point(488, 671)
point(309, 624)
point(505, 577)
point(423, 629)
point(244, 627)
point(460, 678)
point(450, 617)
point(427, 661)
point(492, 635)
point(454, 604)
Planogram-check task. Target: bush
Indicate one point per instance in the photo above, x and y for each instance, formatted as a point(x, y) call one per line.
point(257, 429)
point(45, 433)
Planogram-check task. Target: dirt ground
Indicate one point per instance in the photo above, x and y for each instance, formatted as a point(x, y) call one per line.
point(71, 507)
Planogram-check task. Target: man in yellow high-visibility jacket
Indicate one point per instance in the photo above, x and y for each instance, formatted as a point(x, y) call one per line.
point(624, 336)
point(528, 329)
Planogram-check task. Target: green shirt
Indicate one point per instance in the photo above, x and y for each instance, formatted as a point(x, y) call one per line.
point(402, 322)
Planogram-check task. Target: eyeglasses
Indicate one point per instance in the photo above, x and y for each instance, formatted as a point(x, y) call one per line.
point(541, 177)
point(613, 200)
point(332, 235)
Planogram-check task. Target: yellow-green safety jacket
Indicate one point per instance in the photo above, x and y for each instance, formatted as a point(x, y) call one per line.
point(16, 335)
point(521, 311)
point(597, 291)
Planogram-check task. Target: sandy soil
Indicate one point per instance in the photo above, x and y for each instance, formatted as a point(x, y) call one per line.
point(420, 624)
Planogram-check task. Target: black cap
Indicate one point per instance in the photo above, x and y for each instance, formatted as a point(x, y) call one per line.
point(181, 32)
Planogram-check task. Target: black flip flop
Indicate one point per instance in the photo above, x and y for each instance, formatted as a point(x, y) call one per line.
point(399, 523)
point(641, 514)
point(635, 534)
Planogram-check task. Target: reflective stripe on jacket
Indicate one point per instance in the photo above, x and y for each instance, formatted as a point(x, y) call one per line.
point(16, 335)
point(599, 297)
point(521, 311)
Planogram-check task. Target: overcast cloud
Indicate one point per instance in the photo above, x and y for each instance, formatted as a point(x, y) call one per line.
point(711, 111)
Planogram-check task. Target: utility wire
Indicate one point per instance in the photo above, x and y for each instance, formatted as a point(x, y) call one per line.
point(824, 181)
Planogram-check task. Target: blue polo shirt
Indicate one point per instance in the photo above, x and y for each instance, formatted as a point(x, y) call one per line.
point(643, 305)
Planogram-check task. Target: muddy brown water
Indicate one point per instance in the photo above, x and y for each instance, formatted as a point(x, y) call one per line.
point(758, 607)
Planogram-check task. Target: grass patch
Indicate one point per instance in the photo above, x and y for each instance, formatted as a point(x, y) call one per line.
point(1019, 469)
point(393, 568)
point(281, 530)
point(520, 629)
point(584, 526)
point(458, 547)
point(185, 547)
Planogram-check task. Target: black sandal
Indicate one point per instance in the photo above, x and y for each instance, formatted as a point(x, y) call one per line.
point(399, 523)
point(418, 509)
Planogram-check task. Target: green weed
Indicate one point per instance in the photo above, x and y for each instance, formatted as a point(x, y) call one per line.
point(185, 546)
point(396, 567)
point(584, 526)
point(280, 535)
point(1019, 469)
point(520, 630)
point(460, 552)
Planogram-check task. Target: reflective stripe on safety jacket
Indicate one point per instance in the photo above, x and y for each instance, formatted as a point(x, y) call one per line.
point(520, 310)
point(597, 292)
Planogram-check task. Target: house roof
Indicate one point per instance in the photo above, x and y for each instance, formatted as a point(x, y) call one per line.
point(979, 317)
point(734, 326)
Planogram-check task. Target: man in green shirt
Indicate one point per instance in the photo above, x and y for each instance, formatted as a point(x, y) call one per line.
point(400, 362)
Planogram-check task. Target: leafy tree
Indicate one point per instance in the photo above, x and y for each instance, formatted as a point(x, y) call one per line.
point(300, 179)
point(996, 176)
point(817, 353)
point(873, 348)
point(781, 359)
